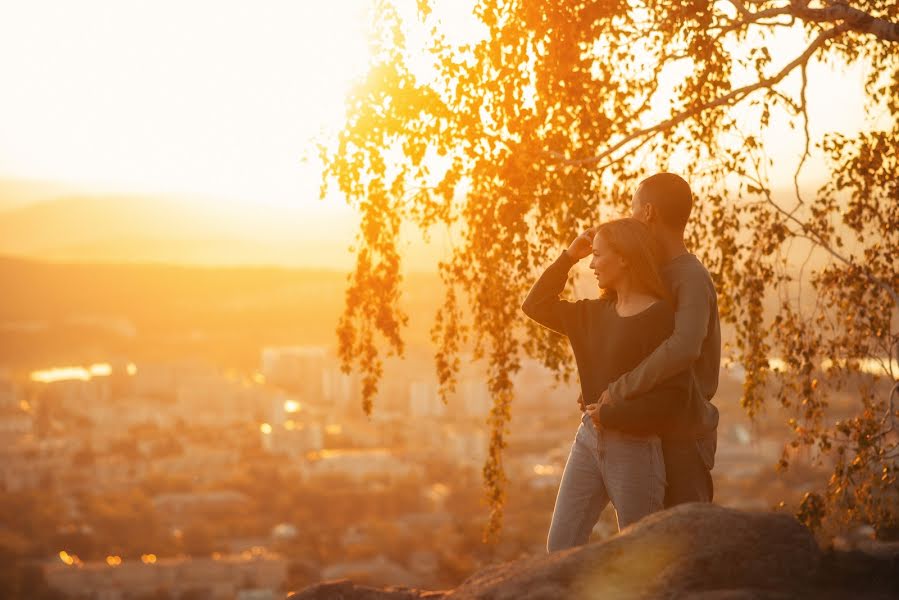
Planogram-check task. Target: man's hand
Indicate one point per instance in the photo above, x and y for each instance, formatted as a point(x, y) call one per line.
point(582, 246)
point(581, 402)
point(593, 411)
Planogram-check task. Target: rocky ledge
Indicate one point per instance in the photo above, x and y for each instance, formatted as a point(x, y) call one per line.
point(692, 552)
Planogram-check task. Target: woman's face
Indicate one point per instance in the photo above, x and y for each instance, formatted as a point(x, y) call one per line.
point(607, 265)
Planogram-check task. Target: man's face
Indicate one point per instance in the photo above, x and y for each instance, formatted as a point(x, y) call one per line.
point(640, 210)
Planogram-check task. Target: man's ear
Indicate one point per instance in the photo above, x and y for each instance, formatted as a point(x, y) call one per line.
point(649, 212)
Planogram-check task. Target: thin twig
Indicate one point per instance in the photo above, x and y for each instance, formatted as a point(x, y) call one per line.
point(805, 152)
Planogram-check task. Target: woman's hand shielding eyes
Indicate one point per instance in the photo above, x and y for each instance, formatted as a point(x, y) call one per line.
point(582, 246)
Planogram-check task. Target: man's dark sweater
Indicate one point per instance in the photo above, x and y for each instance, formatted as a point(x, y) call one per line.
point(606, 346)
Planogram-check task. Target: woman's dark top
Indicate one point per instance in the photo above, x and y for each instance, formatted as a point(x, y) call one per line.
point(606, 346)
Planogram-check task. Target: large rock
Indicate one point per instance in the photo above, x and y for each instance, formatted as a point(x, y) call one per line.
point(692, 552)
point(344, 589)
point(680, 552)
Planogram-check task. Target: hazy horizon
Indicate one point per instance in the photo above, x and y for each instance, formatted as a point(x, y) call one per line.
point(63, 223)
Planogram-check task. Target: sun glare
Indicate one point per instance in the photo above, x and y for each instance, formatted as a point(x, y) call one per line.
point(206, 98)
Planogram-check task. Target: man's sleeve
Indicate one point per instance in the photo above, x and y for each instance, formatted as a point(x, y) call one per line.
point(654, 412)
point(543, 303)
point(679, 351)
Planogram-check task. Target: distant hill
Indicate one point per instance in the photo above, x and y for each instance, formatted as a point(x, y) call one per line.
point(15, 193)
point(76, 219)
point(48, 222)
point(38, 289)
point(151, 229)
point(235, 309)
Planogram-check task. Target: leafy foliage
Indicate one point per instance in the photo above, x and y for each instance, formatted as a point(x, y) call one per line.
point(519, 138)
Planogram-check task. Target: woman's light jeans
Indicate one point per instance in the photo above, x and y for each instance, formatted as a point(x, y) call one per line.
point(605, 466)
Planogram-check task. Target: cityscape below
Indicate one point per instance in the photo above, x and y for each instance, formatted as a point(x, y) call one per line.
point(180, 477)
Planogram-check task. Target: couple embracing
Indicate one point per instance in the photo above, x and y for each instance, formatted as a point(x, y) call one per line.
point(648, 353)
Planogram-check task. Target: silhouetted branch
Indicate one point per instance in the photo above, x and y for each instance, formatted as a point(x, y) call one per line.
point(855, 19)
point(731, 98)
point(835, 12)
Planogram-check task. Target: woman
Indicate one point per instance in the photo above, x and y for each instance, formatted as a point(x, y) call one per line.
point(616, 455)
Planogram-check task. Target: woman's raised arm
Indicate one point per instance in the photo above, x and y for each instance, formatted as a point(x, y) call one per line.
point(542, 303)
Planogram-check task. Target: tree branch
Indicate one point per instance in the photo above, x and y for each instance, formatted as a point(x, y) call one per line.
point(730, 98)
point(857, 20)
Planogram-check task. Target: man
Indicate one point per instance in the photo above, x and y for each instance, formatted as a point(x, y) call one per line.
point(664, 202)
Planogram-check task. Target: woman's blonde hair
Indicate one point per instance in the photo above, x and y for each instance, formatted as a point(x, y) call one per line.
point(632, 240)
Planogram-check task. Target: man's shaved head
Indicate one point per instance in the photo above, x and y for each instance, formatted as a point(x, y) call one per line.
point(670, 198)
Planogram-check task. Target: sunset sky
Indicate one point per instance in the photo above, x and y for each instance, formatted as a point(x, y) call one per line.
point(218, 101)
point(207, 98)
